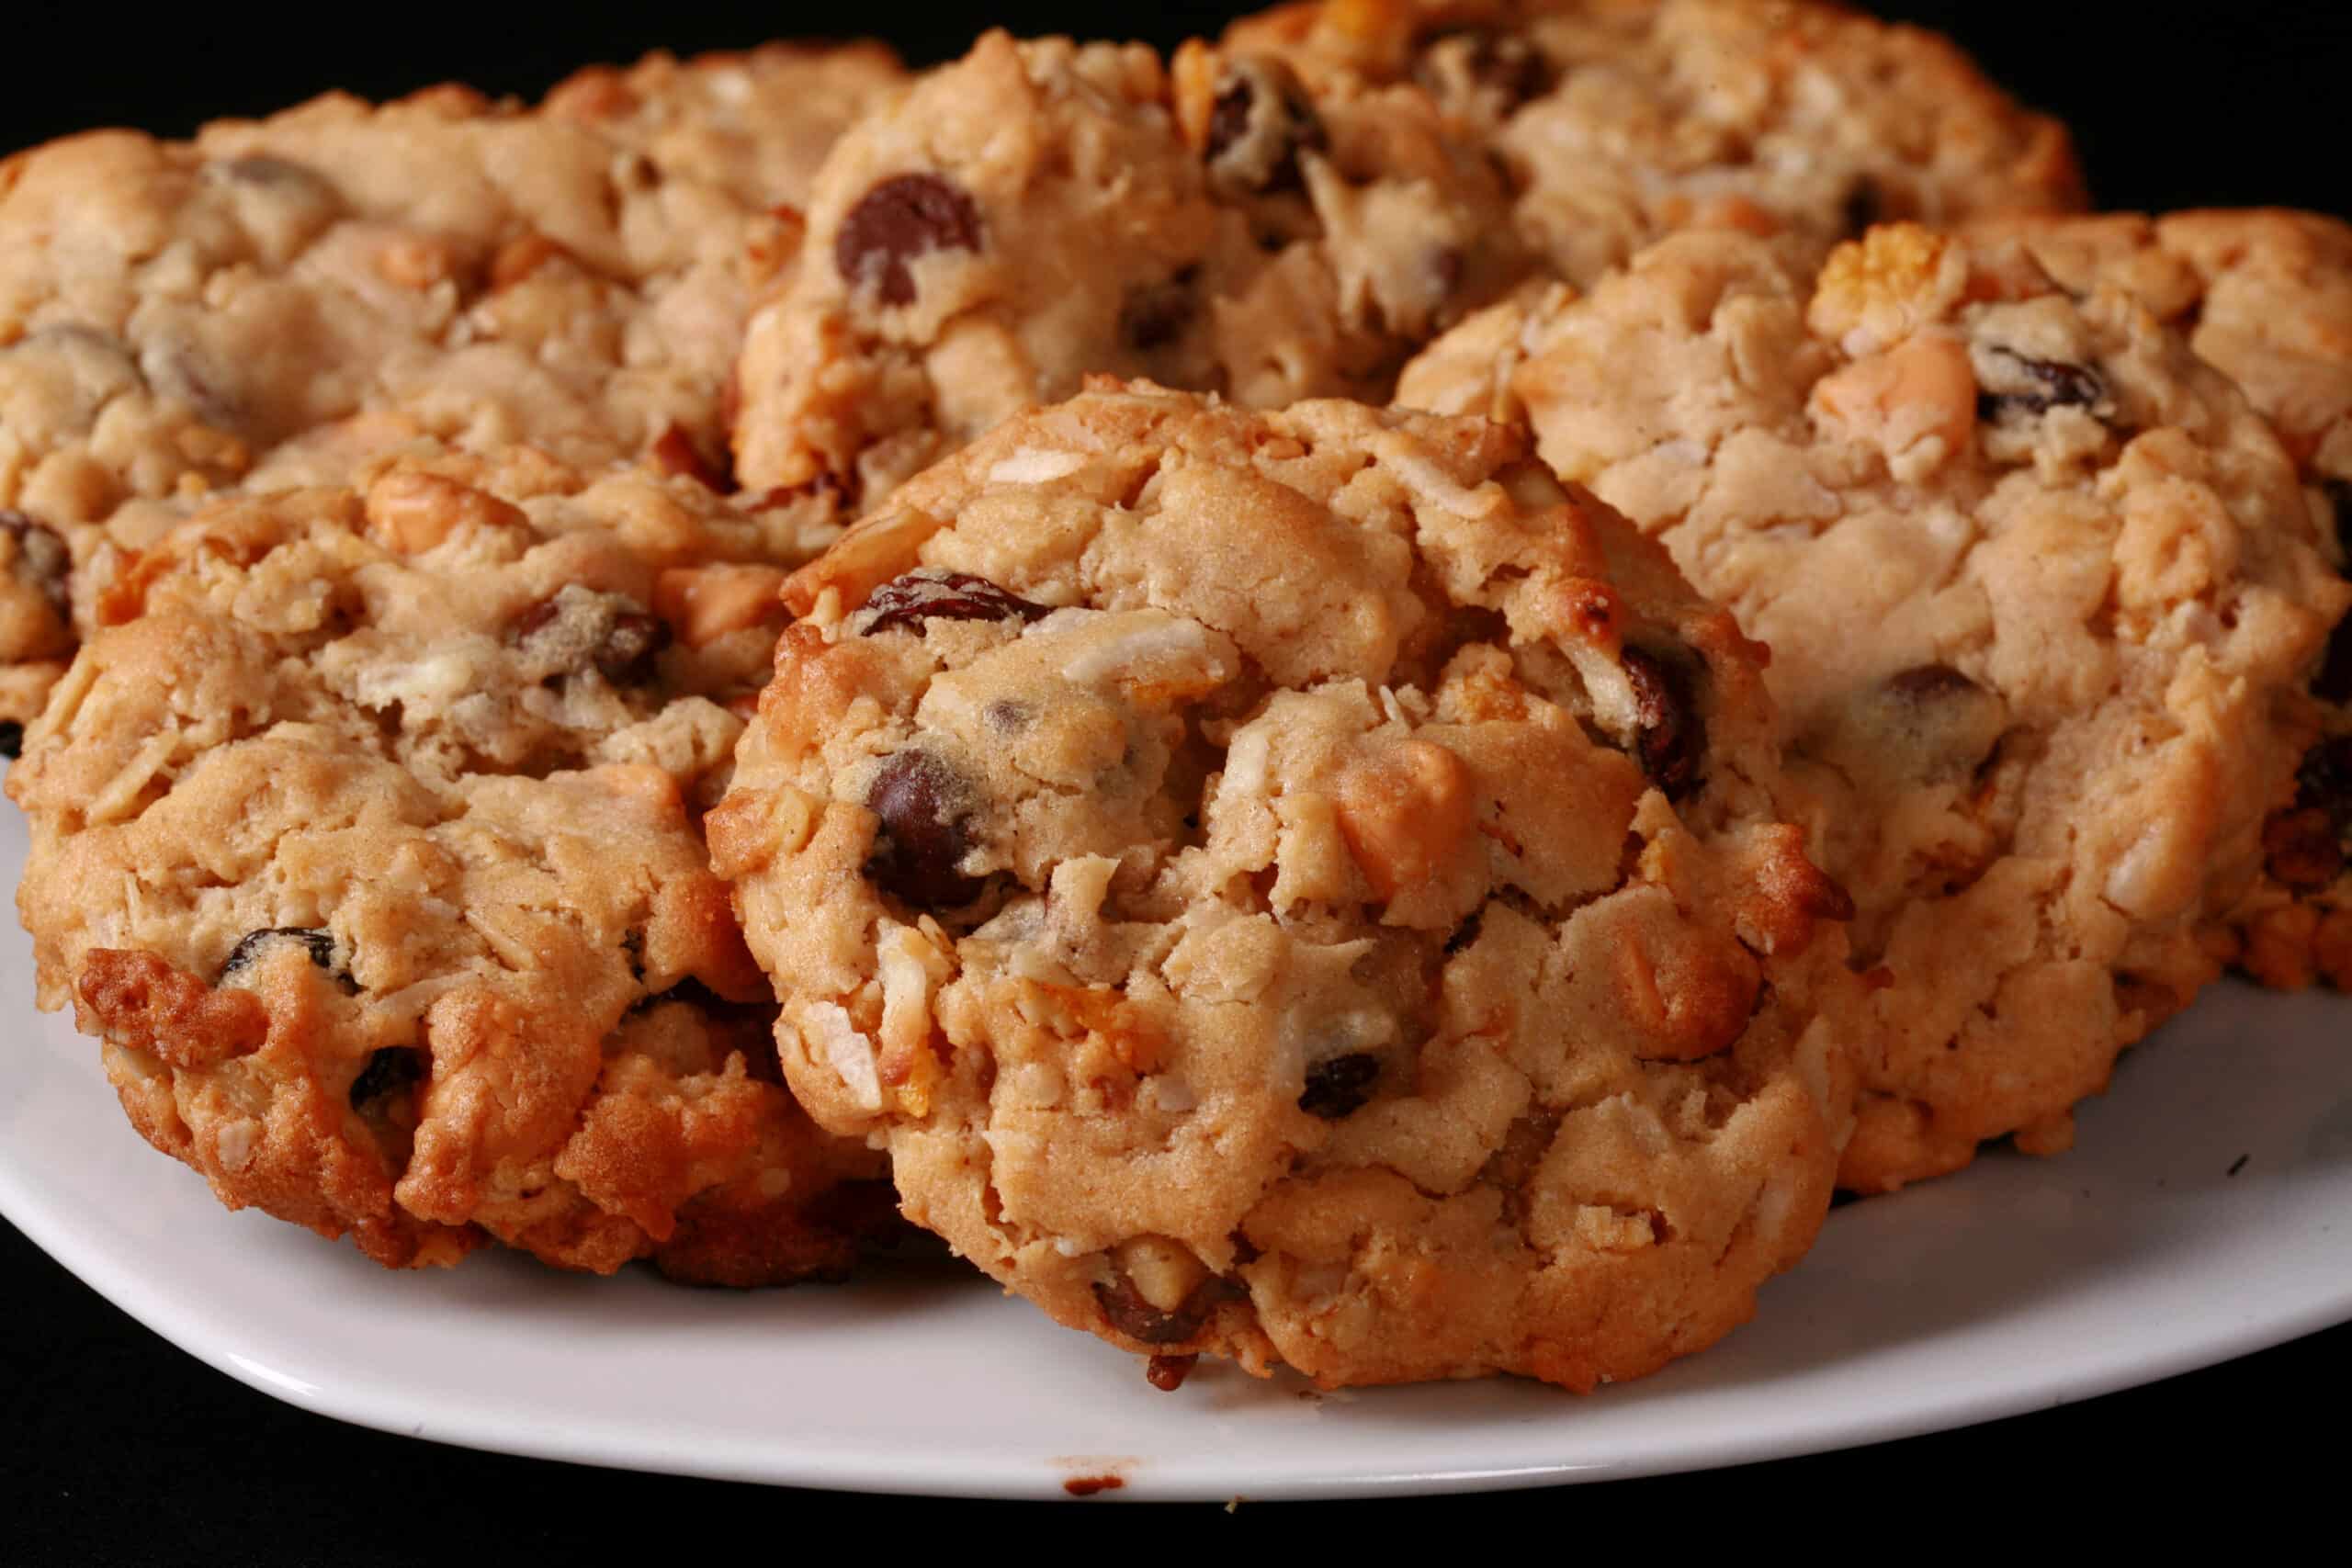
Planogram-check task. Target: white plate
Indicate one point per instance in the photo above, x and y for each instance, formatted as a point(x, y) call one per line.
point(2020, 1284)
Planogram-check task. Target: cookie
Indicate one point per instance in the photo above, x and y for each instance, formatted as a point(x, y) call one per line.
point(366, 837)
point(277, 302)
point(2042, 592)
point(1621, 121)
point(1304, 887)
point(2265, 296)
point(1039, 211)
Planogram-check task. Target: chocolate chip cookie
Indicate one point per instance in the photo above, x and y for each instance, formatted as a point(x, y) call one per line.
point(1622, 120)
point(2042, 592)
point(366, 837)
point(1303, 886)
point(2266, 297)
point(277, 301)
point(1040, 211)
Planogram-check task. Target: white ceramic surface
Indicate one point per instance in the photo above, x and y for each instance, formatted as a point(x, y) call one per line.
point(2022, 1283)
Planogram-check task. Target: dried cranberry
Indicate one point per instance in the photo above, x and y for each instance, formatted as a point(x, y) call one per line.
point(903, 219)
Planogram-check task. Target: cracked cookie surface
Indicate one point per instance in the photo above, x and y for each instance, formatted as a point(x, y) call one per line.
point(1043, 211)
point(1304, 887)
point(366, 837)
point(1621, 121)
point(2042, 592)
point(276, 302)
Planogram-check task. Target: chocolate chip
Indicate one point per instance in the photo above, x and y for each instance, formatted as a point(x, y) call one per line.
point(42, 559)
point(1126, 1311)
point(924, 805)
point(389, 1070)
point(901, 219)
point(1155, 314)
point(2018, 383)
point(1338, 1086)
point(1673, 739)
point(1259, 125)
point(12, 740)
point(935, 595)
point(253, 945)
point(577, 629)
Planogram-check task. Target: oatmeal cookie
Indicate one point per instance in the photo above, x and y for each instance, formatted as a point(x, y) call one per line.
point(1622, 120)
point(2265, 296)
point(366, 836)
point(277, 301)
point(1302, 886)
point(2042, 592)
point(1043, 211)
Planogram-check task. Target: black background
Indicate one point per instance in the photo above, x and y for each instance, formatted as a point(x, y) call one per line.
point(115, 1448)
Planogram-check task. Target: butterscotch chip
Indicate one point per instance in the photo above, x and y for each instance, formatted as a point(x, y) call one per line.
point(1304, 887)
point(2044, 597)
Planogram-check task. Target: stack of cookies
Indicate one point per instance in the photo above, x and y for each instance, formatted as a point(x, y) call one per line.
point(1377, 696)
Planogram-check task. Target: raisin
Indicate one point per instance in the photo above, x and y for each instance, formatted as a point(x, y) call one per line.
point(2334, 682)
point(1167, 1373)
point(2339, 505)
point(1126, 1311)
point(2324, 781)
point(1508, 70)
point(577, 628)
point(12, 740)
point(2301, 848)
point(1673, 738)
point(2037, 386)
point(1338, 1086)
point(922, 803)
point(42, 559)
point(896, 223)
point(1865, 205)
point(1259, 125)
point(320, 944)
point(933, 595)
point(389, 1070)
point(1156, 315)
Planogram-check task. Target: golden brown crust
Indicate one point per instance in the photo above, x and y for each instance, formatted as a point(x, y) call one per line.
point(1303, 888)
